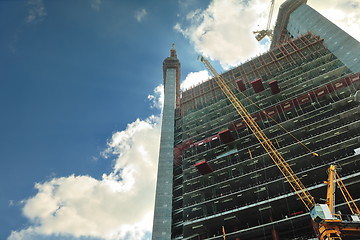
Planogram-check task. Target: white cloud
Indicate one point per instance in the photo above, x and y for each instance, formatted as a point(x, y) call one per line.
point(120, 204)
point(185, 4)
point(95, 4)
point(223, 31)
point(36, 11)
point(117, 206)
point(140, 14)
point(157, 100)
point(194, 78)
point(346, 14)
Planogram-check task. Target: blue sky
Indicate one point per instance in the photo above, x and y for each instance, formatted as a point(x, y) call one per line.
point(80, 90)
point(71, 74)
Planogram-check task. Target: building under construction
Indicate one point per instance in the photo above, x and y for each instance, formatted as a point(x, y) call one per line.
point(304, 94)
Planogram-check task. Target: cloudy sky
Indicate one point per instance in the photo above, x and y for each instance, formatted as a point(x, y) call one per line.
point(80, 100)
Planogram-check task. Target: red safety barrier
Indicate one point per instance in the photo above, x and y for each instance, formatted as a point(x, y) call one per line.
point(203, 167)
point(241, 85)
point(274, 87)
point(257, 85)
point(226, 136)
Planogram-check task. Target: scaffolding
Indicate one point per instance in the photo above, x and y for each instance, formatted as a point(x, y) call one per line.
point(224, 178)
point(281, 59)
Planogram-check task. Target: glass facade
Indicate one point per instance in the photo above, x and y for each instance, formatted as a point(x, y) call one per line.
point(163, 201)
point(305, 19)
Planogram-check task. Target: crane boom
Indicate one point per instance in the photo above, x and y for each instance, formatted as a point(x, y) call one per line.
point(266, 143)
point(270, 14)
point(259, 35)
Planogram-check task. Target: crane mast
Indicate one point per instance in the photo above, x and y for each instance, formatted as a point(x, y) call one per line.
point(259, 35)
point(331, 227)
point(331, 184)
point(270, 14)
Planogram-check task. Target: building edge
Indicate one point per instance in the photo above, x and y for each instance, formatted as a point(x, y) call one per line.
point(163, 196)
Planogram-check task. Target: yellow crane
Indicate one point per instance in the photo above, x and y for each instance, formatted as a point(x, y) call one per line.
point(331, 226)
point(259, 35)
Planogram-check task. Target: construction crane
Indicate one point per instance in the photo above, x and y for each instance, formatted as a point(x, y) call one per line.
point(259, 35)
point(331, 226)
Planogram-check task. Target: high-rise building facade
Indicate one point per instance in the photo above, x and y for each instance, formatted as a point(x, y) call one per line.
point(163, 196)
point(224, 181)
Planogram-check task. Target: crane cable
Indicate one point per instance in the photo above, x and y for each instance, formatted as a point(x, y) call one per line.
point(278, 159)
point(277, 123)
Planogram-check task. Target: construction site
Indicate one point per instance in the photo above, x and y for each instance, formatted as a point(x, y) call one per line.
point(257, 150)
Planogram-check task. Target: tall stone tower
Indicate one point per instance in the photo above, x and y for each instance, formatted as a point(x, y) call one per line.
point(163, 198)
point(173, 62)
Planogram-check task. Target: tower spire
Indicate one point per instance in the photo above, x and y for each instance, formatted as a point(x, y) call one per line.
point(173, 51)
point(173, 62)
